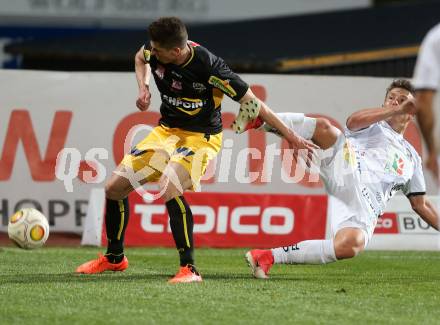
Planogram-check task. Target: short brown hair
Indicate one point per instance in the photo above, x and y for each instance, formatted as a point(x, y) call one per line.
point(169, 32)
point(401, 83)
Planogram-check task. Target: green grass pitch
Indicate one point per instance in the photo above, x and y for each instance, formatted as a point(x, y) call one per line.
point(39, 287)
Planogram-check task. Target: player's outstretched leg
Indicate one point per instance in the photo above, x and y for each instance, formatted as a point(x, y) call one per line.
point(347, 243)
point(305, 252)
point(116, 220)
point(319, 129)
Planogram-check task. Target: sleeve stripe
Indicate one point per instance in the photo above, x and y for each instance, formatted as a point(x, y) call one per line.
point(415, 194)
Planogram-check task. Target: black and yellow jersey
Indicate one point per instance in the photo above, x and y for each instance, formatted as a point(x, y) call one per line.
point(192, 92)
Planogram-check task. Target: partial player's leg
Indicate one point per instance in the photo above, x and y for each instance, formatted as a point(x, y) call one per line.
point(182, 173)
point(347, 243)
point(140, 166)
point(174, 181)
point(319, 130)
point(116, 221)
point(117, 215)
point(305, 252)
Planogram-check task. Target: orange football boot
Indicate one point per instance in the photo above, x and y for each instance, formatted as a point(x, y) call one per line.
point(102, 264)
point(186, 274)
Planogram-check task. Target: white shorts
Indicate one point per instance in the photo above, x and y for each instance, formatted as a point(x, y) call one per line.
point(350, 201)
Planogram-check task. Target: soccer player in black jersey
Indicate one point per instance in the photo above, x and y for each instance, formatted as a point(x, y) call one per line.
point(192, 82)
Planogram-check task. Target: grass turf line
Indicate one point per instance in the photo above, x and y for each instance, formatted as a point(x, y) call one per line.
point(39, 287)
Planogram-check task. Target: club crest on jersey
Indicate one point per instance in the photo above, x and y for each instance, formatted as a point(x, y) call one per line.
point(397, 166)
point(177, 85)
point(223, 85)
point(160, 71)
point(199, 87)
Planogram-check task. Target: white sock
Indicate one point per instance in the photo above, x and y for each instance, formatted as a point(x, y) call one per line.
point(306, 252)
point(298, 122)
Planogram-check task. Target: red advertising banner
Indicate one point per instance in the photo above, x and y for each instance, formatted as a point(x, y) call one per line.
point(387, 224)
point(232, 220)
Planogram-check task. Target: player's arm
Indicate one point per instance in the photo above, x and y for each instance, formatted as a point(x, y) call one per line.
point(425, 210)
point(425, 116)
point(426, 80)
point(366, 117)
point(426, 120)
point(143, 74)
point(223, 78)
point(268, 116)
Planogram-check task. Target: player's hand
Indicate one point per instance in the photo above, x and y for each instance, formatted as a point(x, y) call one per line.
point(408, 107)
point(143, 100)
point(302, 148)
point(432, 165)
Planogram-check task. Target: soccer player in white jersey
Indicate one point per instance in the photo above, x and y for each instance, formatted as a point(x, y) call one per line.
point(426, 81)
point(362, 169)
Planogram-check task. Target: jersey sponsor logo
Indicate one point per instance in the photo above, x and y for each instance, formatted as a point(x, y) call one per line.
point(223, 85)
point(199, 87)
point(186, 105)
point(395, 188)
point(176, 85)
point(160, 71)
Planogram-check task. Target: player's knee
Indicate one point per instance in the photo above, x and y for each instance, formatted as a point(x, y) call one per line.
point(168, 189)
point(323, 124)
point(349, 246)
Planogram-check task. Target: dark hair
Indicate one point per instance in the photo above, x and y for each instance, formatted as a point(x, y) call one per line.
point(169, 32)
point(401, 83)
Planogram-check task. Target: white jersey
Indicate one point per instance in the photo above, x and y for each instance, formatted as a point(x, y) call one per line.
point(362, 172)
point(386, 163)
point(427, 70)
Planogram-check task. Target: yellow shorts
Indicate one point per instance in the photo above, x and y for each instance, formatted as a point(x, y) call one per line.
point(193, 150)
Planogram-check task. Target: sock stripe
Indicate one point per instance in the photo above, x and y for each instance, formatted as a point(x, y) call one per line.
point(112, 254)
point(185, 228)
point(122, 211)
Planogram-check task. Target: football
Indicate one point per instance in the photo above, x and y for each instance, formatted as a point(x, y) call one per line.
point(28, 228)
